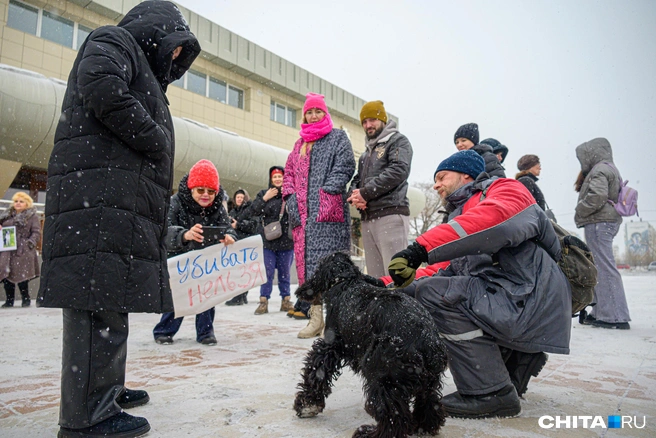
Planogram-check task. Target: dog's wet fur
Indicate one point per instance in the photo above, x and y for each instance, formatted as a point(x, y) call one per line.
point(386, 337)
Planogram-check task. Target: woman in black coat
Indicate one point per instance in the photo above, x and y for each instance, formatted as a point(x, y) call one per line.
point(529, 170)
point(107, 199)
point(278, 253)
point(245, 225)
point(198, 203)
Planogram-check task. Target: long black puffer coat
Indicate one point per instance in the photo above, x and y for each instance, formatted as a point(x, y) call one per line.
point(185, 213)
point(111, 169)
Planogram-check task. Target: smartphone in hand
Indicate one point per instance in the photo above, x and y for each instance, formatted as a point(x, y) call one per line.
point(214, 233)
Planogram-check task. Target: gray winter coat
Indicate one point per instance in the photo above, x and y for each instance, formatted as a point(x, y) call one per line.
point(601, 183)
point(504, 282)
point(382, 176)
point(23, 263)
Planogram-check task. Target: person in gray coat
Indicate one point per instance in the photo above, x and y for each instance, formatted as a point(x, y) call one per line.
point(597, 184)
point(502, 290)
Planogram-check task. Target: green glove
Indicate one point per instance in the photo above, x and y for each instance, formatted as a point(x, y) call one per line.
point(404, 264)
point(402, 274)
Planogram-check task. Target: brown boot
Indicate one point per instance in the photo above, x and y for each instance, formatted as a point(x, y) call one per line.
point(263, 307)
point(286, 305)
point(316, 324)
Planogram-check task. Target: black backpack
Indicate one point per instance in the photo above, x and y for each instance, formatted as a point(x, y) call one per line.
point(577, 264)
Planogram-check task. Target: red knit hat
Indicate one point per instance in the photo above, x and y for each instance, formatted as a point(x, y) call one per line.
point(313, 100)
point(203, 174)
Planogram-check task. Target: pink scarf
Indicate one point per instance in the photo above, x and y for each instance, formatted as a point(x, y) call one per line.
point(314, 131)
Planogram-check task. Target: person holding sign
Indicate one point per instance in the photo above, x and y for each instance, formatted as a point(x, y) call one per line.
point(278, 251)
point(197, 219)
point(22, 264)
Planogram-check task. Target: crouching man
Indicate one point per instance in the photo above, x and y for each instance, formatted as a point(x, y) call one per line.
point(502, 301)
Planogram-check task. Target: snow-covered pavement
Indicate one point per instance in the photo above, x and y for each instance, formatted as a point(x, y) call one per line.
point(245, 385)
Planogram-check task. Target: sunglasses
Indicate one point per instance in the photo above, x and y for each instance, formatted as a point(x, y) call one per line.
point(202, 190)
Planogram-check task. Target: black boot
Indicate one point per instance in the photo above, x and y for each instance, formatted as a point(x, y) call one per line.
point(9, 291)
point(25, 294)
point(236, 301)
point(521, 366)
point(121, 425)
point(244, 298)
point(501, 403)
point(131, 398)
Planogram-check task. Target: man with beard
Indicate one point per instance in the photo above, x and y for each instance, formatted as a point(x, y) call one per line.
point(107, 199)
point(494, 288)
point(379, 188)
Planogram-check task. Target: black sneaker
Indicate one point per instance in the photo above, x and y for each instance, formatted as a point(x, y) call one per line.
point(611, 325)
point(501, 403)
point(132, 398)
point(122, 425)
point(8, 304)
point(164, 340)
point(521, 366)
point(210, 340)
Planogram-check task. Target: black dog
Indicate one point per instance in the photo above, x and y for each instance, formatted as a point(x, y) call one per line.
point(385, 336)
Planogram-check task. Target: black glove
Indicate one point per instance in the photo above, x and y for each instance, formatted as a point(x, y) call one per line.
point(373, 281)
point(404, 264)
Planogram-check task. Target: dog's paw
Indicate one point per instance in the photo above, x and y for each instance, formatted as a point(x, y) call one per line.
point(308, 411)
point(365, 431)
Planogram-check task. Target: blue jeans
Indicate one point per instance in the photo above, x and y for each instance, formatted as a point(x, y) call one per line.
point(282, 261)
point(169, 325)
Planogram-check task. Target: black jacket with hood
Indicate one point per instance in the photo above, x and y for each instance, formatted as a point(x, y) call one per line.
point(492, 165)
point(111, 169)
point(269, 211)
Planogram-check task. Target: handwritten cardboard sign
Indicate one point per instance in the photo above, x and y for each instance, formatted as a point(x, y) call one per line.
point(203, 278)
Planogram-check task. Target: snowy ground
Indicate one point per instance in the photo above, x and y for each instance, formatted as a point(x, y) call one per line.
point(245, 385)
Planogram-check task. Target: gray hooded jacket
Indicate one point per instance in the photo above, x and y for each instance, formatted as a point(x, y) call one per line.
point(601, 183)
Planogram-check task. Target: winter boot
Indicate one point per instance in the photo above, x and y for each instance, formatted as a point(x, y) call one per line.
point(235, 301)
point(10, 298)
point(263, 307)
point(26, 299)
point(501, 403)
point(244, 298)
point(316, 324)
point(286, 305)
point(120, 425)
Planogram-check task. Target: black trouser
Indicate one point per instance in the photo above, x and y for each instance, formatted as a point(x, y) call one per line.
point(10, 290)
point(93, 366)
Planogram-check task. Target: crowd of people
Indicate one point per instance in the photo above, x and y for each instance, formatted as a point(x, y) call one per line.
point(490, 278)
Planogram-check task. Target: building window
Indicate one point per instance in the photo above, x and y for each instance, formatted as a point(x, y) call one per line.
point(57, 29)
point(235, 97)
point(46, 25)
point(218, 90)
point(211, 87)
point(283, 114)
point(196, 82)
point(22, 17)
point(82, 34)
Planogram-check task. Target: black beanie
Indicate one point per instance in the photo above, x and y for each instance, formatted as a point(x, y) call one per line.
point(468, 131)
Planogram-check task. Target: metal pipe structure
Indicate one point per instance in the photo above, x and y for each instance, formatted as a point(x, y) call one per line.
point(30, 107)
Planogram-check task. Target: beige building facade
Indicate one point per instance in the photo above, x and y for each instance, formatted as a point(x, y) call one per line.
point(234, 85)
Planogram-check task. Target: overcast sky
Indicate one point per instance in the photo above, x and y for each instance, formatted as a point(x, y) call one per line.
point(542, 77)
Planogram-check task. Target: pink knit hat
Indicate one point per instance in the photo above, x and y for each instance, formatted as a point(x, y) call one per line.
point(313, 100)
point(203, 174)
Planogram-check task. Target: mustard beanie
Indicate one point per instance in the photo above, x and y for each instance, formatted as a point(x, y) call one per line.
point(373, 110)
